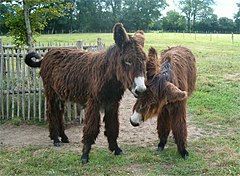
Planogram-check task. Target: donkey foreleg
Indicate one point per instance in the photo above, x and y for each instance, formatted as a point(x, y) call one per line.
point(90, 129)
point(112, 127)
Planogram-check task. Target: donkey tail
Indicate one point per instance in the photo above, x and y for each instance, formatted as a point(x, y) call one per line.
point(30, 62)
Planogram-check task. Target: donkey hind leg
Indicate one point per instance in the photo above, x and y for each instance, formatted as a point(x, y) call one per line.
point(112, 127)
point(90, 129)
point(179, 129)
point(55, 113)
point(63, 136)
point(163, 127)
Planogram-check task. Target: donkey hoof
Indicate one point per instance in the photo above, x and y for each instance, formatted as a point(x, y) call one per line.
point(118, 152)
point(65, 140)
point(57, 144)
point(159, 149)
point(185, 154)
point(84, 159)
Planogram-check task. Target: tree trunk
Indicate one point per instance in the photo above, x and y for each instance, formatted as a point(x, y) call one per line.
point(28, 26)
point(188, 24)
point(194, 21)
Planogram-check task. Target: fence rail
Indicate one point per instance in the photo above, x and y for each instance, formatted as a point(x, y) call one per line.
point(21, 89)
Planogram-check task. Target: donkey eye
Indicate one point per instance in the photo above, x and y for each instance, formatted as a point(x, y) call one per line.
point(141, 108)
point(128, 63)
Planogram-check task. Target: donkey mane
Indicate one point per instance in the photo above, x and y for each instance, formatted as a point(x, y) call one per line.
point(158, 74)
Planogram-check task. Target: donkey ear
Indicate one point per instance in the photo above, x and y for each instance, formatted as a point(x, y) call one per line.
point(120, 35)
point(173, 93)
point(152, 66)
point(152, 54)
point(139, 36)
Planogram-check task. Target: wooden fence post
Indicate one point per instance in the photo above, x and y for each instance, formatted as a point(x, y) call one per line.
point(1, 78)
point(99, 41)
point(2, 62)
point(99, 44)
point(79, 44)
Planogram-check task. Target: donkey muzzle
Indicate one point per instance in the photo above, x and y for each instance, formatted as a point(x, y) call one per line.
point(136, 119)
point(138, 88)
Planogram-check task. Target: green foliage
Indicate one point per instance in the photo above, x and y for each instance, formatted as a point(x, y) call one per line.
point(142, 13)
point(102, 15)
point(193, 9)
point(4, 9)
point(71, 16)
point(208, 23)
point(237, 18)
point(226, 24)
point(174, 21)
point(40, 12)
point(16, 23)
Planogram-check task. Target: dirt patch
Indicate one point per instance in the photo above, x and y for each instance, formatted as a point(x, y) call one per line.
point(233, 77)
point(145, 135)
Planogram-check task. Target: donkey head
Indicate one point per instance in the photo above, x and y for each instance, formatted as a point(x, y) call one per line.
point(149, 106)
point(131, 67)
point(157, 95)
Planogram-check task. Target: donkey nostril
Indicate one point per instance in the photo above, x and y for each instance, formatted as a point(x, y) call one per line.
point(137, 92)
point(140, 91)
point(134, 124)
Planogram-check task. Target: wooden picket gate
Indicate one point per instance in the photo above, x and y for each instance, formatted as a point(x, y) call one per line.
point(21, 89)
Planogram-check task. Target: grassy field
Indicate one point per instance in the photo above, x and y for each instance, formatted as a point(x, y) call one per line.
point(214, 107)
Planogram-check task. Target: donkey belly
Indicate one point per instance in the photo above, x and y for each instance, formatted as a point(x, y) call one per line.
point(68, 87)
point(72, 93)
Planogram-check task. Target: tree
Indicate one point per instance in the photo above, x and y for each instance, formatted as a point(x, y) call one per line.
point(174, 21)
point(226, 25)
point(4, 9)
point(114, 6)
point(37, 11)
point(141, 14)
point(65, 23)
point(193, 9)
point(26, 8)
point(237, 19)
point(207, 23)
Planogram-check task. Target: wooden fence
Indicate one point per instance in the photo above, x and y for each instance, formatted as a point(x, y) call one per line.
point(21, 90)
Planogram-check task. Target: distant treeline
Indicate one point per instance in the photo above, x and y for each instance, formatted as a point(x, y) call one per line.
point(100, 15)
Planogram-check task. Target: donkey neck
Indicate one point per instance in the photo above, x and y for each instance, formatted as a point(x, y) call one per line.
point(105, 71)
point(157, 83)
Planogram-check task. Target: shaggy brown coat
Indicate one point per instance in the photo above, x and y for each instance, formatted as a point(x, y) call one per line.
point(96, 80)
point(170, 81)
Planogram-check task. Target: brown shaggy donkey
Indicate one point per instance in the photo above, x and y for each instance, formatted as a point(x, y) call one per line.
point(170, 81)
point(96, 80)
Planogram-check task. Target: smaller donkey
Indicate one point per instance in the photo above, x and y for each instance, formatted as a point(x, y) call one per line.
point(170, 81)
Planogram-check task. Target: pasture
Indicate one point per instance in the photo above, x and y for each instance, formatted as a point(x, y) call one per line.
point(213, 121)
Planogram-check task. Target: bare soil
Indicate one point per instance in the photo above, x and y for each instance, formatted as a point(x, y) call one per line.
point(145, 135)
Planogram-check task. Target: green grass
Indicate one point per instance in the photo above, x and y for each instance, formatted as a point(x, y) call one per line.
point(214, 107)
